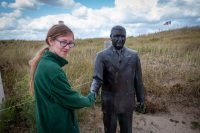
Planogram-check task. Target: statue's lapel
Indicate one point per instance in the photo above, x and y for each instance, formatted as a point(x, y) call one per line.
point(125, 58)
point(113, 57)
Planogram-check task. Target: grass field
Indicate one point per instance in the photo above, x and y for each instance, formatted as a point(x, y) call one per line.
point(170, 64)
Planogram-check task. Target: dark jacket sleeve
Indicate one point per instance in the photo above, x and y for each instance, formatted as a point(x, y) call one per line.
point(63, 94)
point(98, 74)
point(139, 88)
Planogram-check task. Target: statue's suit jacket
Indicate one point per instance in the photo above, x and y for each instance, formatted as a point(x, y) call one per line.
point(120, 80)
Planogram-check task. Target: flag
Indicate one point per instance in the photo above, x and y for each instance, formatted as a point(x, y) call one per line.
point(167, 23)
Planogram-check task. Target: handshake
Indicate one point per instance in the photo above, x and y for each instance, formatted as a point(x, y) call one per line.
point(95, 94)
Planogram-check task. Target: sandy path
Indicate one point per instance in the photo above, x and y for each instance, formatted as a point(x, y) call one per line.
point(177, 120)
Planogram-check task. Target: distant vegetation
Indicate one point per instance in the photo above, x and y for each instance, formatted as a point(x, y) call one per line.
point(170, 64)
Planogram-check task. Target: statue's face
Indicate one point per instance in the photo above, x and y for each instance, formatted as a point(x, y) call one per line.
point(118, 37)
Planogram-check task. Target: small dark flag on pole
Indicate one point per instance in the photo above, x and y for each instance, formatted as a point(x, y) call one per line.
point(167, 23)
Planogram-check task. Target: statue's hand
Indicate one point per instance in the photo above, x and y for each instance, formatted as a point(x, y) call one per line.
point(95, 94)
point(140, 107)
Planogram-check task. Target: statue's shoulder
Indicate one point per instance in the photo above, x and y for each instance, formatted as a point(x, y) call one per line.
point(105, 51)
point(130, 51)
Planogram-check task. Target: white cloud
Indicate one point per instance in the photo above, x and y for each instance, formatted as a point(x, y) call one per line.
point(4, 4)
point(129, 12)
point(15, 13)
point(34, 4)
point(81, 27)
point(60, 3)
point(138, 6)
point(80, 12)
point(43, 23)
point(7, 23)
point(141, 11)
point(24, 4)
point(138, 17)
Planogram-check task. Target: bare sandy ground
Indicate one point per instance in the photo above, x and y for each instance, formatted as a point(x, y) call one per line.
point(177, 119)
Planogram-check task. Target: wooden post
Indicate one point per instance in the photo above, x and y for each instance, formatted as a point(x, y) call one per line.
point(60, 22)
point(2, 96)
point(107, 44)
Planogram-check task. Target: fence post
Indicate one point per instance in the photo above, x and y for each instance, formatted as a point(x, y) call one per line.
point(107, 44)
point(2, 96)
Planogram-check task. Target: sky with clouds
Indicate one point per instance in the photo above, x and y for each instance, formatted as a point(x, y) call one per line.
point(31, 19)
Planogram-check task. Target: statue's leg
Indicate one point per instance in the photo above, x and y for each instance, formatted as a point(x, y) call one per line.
point(110, 123)
point(125, 122)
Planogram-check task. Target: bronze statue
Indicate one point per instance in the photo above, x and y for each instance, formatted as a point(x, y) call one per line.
point(118, 71)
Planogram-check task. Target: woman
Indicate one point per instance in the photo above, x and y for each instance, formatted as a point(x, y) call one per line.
point(55, 99)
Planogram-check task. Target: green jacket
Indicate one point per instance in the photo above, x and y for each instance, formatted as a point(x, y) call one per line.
point(54, 97)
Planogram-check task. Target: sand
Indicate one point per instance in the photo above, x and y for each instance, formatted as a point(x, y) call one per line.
point(177, 119)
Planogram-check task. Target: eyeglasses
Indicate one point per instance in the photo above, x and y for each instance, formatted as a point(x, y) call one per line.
point(64, 44)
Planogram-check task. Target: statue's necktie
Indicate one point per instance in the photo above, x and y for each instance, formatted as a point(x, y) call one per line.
point(119, 53)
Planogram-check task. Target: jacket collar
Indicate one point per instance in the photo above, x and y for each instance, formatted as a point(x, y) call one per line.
point(114, 59)
point(55, 58)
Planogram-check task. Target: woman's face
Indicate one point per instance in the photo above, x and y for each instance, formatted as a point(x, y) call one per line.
point(55, 45)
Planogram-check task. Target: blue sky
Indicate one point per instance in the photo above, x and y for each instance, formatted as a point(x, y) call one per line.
point(31, 19)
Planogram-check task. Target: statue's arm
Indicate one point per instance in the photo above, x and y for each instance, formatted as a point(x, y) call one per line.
point(139, 88)
point(98, 75)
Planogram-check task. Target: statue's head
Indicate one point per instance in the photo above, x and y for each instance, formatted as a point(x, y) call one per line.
point(118, 37)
